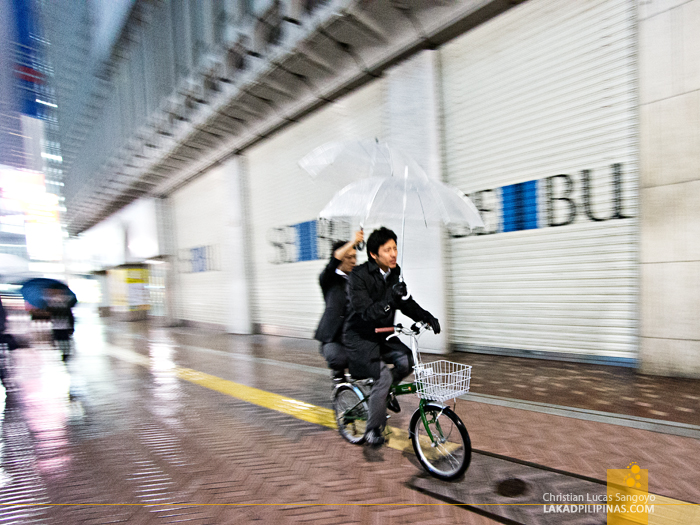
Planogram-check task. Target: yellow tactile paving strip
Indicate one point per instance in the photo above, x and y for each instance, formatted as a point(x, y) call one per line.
point(667, 511)
point(286, 405)
point(397, 439)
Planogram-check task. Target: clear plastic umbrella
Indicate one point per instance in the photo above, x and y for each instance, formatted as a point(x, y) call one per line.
point(424, 201)
point(411, 196)
point(344, 162)
point(339, 163)
point(382, 183)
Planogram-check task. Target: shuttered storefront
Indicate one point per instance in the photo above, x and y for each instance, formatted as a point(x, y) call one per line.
point(290, 247)
point(540, 129)
point(199, 212)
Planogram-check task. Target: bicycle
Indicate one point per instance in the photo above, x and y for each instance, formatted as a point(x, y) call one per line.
point(439, 437)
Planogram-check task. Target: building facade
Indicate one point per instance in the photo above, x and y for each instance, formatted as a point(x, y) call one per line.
point(555, 117)
point(31, 170)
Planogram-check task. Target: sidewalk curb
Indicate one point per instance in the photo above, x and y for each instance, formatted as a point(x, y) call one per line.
point(653, 425)
point(611, 418)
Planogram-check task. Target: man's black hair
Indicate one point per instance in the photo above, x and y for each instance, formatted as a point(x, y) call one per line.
point(336, 245)
point(378, 238)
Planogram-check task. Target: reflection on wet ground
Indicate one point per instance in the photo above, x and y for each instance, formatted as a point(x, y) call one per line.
point(614, 389)
point(118, 424)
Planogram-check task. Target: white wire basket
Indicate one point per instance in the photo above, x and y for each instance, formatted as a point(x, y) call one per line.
point(442, 380)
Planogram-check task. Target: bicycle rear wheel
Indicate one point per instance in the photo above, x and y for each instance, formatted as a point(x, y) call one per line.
point(350, 413)
point(448, 454)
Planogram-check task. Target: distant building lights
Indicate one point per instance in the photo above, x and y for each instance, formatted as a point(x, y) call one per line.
point(57, 158)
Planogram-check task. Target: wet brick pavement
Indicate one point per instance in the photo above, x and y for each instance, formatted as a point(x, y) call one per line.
point(614, 389)
point(104, 430)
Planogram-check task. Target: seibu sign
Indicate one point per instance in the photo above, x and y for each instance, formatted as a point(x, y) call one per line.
point(558, 200)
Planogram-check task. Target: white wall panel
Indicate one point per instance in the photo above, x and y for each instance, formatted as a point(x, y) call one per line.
point(287, 296)
point(546, 89)
point(199, 210)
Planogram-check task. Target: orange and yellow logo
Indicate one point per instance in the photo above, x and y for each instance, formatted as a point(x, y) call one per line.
point(628, 498)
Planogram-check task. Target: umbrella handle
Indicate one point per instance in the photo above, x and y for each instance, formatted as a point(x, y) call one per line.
point(361, 245)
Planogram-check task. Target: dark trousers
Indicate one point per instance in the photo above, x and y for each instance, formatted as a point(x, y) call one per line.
point(62, 334)
point(336, 356)
point(391, 352)
point(394, 352)
point(63, 341)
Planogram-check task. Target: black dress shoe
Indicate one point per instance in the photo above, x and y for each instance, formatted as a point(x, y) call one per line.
point(374, 438)
point(393, 404)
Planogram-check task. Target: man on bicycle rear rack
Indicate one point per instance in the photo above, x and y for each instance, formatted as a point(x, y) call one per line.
point(333, 281)
point(375, 292)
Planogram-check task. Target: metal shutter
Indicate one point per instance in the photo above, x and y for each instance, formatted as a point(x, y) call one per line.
point(199, 209)
point(284, 205)
point(540, 128)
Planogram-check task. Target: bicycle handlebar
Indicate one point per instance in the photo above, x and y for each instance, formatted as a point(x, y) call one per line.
point(415, 329)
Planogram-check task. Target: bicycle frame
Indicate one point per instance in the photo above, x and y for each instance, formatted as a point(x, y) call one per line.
point(400, 390)
point(409, 388)
point(405, 388)
point(434, 383)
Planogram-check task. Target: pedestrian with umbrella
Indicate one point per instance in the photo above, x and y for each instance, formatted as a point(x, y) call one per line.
point(57, 300)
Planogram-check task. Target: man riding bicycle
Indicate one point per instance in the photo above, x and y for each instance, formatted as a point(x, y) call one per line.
point(374, 294)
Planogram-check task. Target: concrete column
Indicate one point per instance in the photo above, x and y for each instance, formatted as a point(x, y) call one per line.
point(410, 122)
point(234, 243)
point(168, 250)
point(669, 55)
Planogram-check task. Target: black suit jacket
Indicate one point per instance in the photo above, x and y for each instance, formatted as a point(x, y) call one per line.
point(333, 286)
point(370, 300)
point(371, 306)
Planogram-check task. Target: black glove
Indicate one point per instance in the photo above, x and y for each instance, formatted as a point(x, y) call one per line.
point(399, 292)
point(432, 321)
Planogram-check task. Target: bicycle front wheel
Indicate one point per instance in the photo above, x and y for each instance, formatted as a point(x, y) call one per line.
point(350, 413)
point(447, 455)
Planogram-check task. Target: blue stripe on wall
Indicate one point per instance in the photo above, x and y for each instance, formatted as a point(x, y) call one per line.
point(198, 258)
point(519, 206)
point(306, 241)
